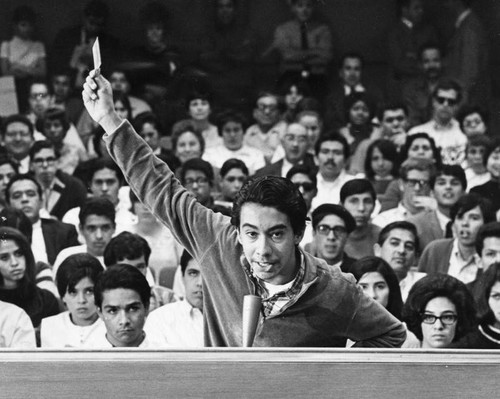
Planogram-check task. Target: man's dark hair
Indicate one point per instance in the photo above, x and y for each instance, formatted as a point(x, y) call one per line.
point(470, 201)
point(98, 164)
point(122, 276)
point(185, 258)
point(223, 118)
point(357, 186)
point(420, 164)
point(487, 230)
point(403, 225)
point(231, 164)
point(450, 170)
point(275, 192)
point(74, 269)
point(439, 285)
point(332, 209)
point(53, 114)
point(479, 140)
point(42, 145)
point(17, 118)
point(448, 84)
point(126, 245)
point(146, 117)
point(97, 206)
point(303, 170)
point(332, 136)
point(351, 55)
point(96, 8)
point(429, 46)
point(199, 165)
point(16, 178)
point(394, 106)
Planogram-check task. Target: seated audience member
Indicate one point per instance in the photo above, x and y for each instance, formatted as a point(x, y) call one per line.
point(105, 181)
point(23, 57)
point(199, 110)
point(331, 155)
point(332, 224)
point(61, 191)
point(97, 226)
point(393, 126)
point(295, 144)
point(180, 324)
point(415, 176)
point(233, 175)
point(63, 97)
point(265, 135)
point(417, 93)
point(397, 245)
point(131, 249)
point(350, 81)
point(420, 146)
point(313, 122)
point(16, 330)
point(120, 84)
point(49, 236)
point(38, 100)
point(457, 256)
point(381, 165)
point(122, 296)
point(148, 126)
point(292, 89)
point(439, 311)
point(377, 280)
point(487, 335)
point(17, 139)
point(8, 169)
point(187, 141)
point(472, 120)
point(304, 45)
point(17, 278)
point(55, 126)
point(165, 250)
point(447, 187)
point(197, 176)
point(358, 198)
point(491, 189)
point(76, 278)
point(443, 127)
point(231, 127)
point(476, 172)
point(360, 110)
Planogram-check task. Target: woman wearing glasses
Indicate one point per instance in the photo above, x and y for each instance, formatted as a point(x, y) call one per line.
point(439, 311)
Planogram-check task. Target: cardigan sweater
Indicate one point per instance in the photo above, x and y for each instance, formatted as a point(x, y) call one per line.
point(329, 310)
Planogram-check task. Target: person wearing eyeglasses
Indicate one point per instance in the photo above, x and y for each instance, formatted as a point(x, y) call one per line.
point(439, 310)
point(332, 224)
point(197, 176)
point(415, 176)
point(358, 198)
point(294, 145)
point(457, 256)
point(38, 99)
point(233, 174)
point(443, 127)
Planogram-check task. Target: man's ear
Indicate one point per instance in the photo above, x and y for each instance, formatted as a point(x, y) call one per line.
point(298, 237)
point(238, 234)
point(377, 249)
point(401, 185)
point(99, 312)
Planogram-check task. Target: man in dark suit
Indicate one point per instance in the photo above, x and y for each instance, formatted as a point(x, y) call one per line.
point(295, 144)
point(49, 236)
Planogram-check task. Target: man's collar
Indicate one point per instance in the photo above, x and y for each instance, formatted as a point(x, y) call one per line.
point(359, 88)
point(407, 22)
point(462, 17)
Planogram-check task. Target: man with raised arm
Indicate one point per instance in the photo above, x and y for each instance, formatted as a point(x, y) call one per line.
point(304, 302)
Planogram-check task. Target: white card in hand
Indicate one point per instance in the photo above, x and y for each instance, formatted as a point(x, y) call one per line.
point(96, 52)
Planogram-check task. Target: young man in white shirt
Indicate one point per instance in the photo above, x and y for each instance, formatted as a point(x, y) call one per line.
point(180, 324)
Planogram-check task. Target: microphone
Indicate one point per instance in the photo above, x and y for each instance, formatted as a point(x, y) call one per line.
point(251, 311)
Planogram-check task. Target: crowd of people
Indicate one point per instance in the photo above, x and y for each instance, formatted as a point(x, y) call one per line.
point(360, 216)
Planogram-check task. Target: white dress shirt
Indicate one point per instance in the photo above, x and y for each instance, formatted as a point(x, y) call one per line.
point(463, 269)
point(329, 191)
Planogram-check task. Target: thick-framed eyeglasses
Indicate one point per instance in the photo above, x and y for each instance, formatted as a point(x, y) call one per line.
point(338, 231)
point(199, 181)
point(448, 101)
point(413, 183)
point(41, 161)
point(446, 319)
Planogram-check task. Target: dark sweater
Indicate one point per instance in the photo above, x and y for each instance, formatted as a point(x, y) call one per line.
point(483, 338)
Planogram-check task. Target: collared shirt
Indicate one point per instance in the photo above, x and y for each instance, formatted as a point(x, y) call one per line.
point(38, 243)
point(411, 278)
point(462, 17)
point(407, 22)
point(443, 221)
point(329, 191)
point(253, 157)
point(463, 269)
point(286, 167)
point(391, 215)
point(176, 325)
point(359, 88)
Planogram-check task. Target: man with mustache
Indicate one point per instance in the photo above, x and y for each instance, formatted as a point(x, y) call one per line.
point(457, 256)
point(332, 153)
